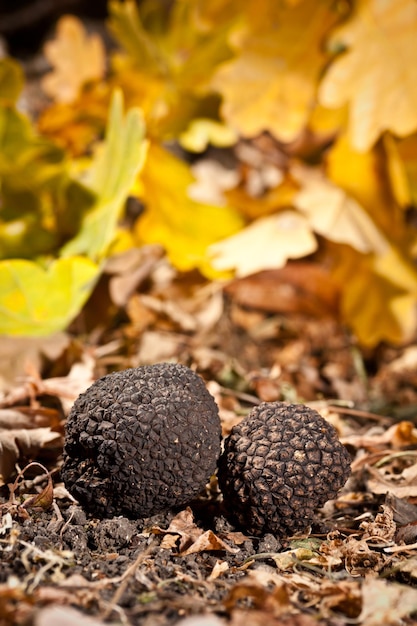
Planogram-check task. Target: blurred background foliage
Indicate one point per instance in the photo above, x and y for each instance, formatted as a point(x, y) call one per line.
point(252, 133)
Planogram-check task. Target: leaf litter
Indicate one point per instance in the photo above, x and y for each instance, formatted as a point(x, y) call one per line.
point(356, 564)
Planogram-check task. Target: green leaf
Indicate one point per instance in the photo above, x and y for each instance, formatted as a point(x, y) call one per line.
point(111, 179)
point(11, 81)
point(38, 301)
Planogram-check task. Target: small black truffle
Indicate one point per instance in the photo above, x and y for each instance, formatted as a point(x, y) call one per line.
point(141, 441)
point(279, 464)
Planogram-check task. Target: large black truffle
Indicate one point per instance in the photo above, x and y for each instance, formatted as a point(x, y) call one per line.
point(141, 441)
point(279, 464)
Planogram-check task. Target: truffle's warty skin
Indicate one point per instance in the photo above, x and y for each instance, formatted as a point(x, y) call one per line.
point(279, 464)
point(141, 441)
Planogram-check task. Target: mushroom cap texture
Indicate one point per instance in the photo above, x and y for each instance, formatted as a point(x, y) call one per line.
point(279, 464)
point(141, 441)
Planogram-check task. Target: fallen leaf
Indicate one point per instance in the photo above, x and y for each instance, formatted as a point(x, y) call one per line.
point(40, 301)
point(16, 445)
point(219, 568)
point(172, 219)
point(265, 244)
point(384, 602)
point(391, 301)
point(402, 168)
point(363, 176)
point(17, 352)
point(335, 215)
point(382, 90)
point(76, 57)
point(402, 485)
point(298, 287)
point(399, 436)
point(183, 534)
point(64, 616)
point(271, 83)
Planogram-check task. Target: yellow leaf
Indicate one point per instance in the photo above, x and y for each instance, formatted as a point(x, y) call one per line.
point(202, 132)
point(394, 267)
point(183, 226)
point(402, 168)
point(363, 175)
point(38, 301)
point(171, 58)
point(76, 58)
point(271, 84)
point(334, 214)
point(378, 295)
point(377, 75)
point(267, 243)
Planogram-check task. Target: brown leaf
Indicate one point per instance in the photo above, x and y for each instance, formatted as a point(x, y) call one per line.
point(386, 603)
point(23, 443)
point(208, 541)
point(296, 288)
point(403, 485)
point(64, 616)
point(191, 538)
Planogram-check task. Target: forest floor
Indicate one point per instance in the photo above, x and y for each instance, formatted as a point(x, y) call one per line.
point(357, 563)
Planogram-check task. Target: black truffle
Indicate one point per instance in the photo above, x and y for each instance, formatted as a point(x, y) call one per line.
point(279, 464)
point(141, 441)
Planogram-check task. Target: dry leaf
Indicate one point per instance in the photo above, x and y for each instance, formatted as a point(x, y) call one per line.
point(64, 616)
point(76, 57)
point(271, 83)
point(334, 214)
point(386, 603)
point(402, 485)
point(188, 538)
point(298, 287)
point(377, 75)
point(265, 244)
point(219, 568)
point(16, 445)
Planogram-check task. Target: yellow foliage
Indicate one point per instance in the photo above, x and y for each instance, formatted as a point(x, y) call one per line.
point(272, 82)
point(378, 295)
point(316, 103)
point(377, 75)
point(364, 176)
point(184, 227)
point(38, 301)
point(402, 167)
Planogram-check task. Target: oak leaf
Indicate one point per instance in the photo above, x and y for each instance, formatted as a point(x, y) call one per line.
point(76, 57)
point(271, 83)
point(377, 75)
